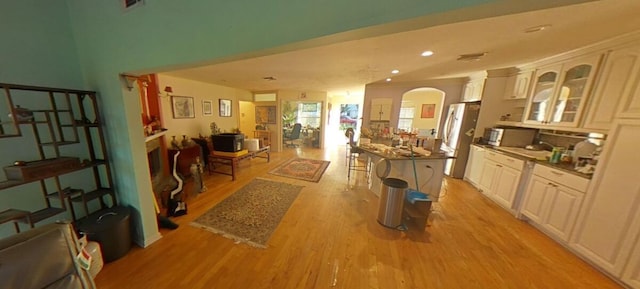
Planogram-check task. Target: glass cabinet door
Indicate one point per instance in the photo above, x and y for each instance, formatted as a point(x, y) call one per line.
point(542, 95)
point(560, 92)
point(577, 78)
point(571, 94)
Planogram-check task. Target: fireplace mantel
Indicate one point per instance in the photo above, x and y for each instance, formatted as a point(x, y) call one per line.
point(155, 136)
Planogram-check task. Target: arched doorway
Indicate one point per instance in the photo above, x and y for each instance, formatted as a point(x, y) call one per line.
point(421, 111)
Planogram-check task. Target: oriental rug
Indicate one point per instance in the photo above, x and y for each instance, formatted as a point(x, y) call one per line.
point(302, 169)
point(251, 214)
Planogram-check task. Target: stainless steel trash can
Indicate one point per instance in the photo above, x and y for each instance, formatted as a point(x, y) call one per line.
point(391, 202)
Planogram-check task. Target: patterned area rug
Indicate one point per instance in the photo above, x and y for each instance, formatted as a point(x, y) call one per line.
point(302, 169)
point(252, 213)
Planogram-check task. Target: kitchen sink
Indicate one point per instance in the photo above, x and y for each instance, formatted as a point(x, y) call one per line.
point(540, 155)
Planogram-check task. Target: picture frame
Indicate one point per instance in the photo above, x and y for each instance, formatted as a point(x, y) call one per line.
point(428, 110)
point(182, 107)
point(266, 114)
point(225, 107)
point(207, 107)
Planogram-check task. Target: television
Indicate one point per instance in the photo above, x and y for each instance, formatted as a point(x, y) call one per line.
point(228, 142)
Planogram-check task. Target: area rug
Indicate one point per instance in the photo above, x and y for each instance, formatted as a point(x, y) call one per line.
point(302, 169)
point(252, 213)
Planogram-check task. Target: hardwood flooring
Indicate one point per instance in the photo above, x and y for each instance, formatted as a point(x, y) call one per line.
point(330, 238)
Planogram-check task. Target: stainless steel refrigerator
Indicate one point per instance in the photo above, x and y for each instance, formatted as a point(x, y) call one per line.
point(457, 136)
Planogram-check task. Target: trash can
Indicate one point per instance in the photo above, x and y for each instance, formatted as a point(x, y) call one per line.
point(391, 202)
point(110, 228)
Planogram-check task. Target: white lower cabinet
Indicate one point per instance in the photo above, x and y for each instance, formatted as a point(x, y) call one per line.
point(500, 179)
point(553, 199)
point(473, 171)
point(506, 186)
point(608, 227)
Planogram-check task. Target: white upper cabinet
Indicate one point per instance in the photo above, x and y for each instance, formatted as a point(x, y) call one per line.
point(381, 109)
point(518, 85)
point(616, 92)
point(473, 90)
point(560, 92)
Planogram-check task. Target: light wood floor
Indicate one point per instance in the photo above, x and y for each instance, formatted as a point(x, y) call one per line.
point(329, 238)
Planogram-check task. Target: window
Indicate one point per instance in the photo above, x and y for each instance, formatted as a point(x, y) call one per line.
point(405, 120)
point(264, 97)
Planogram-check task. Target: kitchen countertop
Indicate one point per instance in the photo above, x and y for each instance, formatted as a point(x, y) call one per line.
point(379, 151)
point(565, 167)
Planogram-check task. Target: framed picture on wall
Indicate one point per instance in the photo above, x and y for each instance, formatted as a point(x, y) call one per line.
point(182, 107)
point(428, 110)
point(207, 107)
point(265, 114)
point(225, 107)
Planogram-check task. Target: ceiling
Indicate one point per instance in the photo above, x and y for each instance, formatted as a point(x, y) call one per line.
point(346, 67)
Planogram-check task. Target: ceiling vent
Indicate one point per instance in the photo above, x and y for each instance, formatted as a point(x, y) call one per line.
point(269, 78)
point(128, 4)
point(471, 57)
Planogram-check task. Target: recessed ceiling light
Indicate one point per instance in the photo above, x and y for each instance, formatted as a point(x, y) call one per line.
point(427, 53)
point(395, 71)
point(388, 79)
point(537, 28)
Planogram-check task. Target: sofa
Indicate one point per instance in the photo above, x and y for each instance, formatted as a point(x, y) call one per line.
point(43, 258)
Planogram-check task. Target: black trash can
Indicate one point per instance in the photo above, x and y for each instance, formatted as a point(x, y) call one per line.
point(391, 202)
point(111, 229)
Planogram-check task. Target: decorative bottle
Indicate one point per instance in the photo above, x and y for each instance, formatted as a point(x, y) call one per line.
point(174, 143)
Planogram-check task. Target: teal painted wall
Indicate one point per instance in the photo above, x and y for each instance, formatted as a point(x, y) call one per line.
point(36, 48)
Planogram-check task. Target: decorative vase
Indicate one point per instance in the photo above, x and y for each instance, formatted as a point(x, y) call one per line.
point(185, 141)
point(174, 142)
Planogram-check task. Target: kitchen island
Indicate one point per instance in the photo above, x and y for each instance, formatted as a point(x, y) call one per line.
point(387, 162)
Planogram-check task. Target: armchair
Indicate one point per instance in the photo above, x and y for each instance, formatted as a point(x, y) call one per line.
point(294, 135)
point(44, 257)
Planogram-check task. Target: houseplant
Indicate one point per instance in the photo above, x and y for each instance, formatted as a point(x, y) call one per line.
point(289, 114)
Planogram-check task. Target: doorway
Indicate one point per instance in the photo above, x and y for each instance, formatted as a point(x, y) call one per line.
point(309, 115)
point(420, 111)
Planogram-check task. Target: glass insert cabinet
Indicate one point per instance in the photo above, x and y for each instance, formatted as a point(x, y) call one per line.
point(560, 92)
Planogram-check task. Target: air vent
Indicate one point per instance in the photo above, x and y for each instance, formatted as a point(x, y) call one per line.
point(269, 78)
point(128, 4)
point(471, 57)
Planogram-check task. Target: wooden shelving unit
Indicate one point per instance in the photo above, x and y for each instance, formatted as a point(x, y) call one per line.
point(264, 136)
point(65, 124)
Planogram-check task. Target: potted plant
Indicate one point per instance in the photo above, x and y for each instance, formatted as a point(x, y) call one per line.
point(289, 114)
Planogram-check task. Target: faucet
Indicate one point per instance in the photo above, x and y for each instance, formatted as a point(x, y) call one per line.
point(546, 144)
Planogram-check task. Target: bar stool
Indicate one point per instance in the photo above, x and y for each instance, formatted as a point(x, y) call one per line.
point(352, 154)
point(13, 215)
